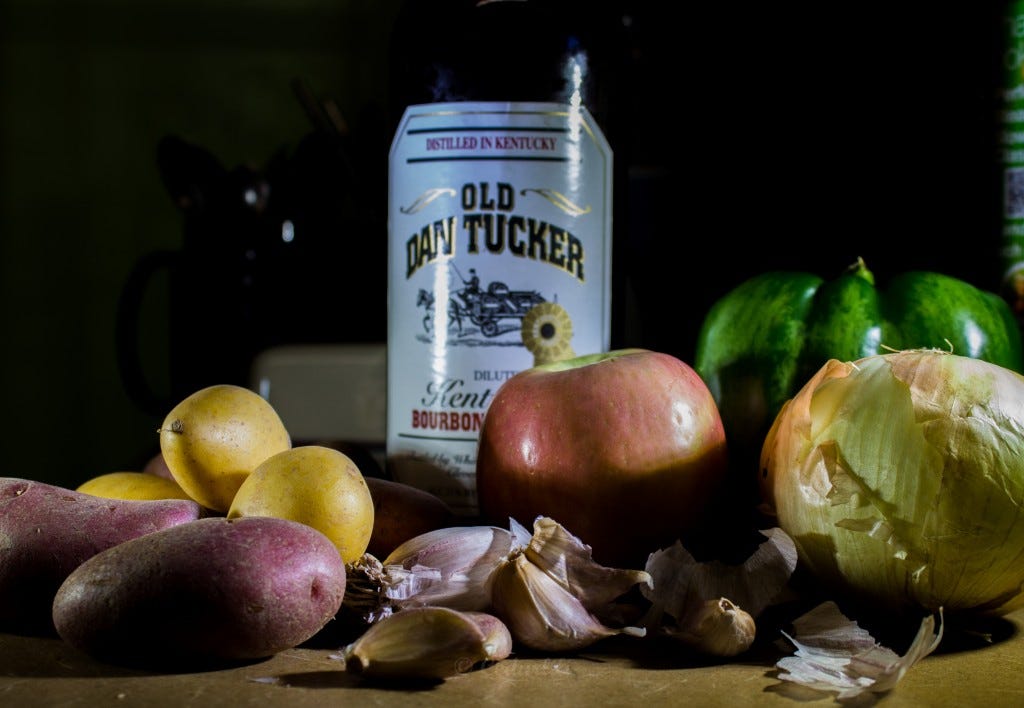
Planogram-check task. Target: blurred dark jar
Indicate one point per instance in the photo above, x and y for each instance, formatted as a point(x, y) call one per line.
point(292, 252)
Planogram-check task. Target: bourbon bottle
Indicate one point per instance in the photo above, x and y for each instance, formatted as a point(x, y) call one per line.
point(500, 206)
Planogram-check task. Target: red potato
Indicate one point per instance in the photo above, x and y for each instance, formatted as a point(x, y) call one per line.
point(212, 591)
point(47, 531)
point(401, 512)
point(157, 465)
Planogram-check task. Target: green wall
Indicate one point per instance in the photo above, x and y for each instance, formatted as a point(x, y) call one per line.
point(792, 139)
point(87, 89)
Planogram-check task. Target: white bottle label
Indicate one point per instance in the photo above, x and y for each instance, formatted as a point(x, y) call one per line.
point(500, 223)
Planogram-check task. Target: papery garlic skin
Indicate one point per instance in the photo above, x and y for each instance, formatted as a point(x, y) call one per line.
point(900, 477)
point(695, 602)
point(836, 655)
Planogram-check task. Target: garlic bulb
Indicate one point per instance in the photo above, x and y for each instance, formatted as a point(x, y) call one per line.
point(549, 593)
point(545, 587)
point(568, 560)
point(449, 567)
point(541, 613)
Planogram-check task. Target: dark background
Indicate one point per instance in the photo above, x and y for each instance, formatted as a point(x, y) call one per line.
point(759, 138)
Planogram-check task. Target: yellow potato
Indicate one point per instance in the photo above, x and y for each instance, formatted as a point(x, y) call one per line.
point(132, 485)
point(314, 485)
point(214, 438)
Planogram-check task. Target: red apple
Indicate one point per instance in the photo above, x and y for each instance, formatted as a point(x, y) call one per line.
point(625, 449)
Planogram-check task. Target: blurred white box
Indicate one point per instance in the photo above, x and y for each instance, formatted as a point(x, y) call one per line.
point(326, 393)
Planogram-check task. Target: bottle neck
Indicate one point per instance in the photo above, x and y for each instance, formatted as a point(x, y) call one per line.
point(562, 51)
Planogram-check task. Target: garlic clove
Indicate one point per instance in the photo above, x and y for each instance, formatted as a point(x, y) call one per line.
point(718, 628)
point(497, 637)
point(681, 583)
point(568, 560)
point(448, 567)
point(541, 613)
point(427, 643)
point(446, 547)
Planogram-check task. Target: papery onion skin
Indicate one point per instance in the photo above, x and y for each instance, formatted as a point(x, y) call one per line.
point(900, 477)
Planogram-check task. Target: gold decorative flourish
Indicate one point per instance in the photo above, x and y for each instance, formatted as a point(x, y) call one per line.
point(426, 198)
point(560, 200)
point(546, 331)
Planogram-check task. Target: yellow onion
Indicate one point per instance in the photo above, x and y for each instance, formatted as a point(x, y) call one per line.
point(900, 477)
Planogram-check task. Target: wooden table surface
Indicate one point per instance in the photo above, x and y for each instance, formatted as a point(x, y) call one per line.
point(35, 671)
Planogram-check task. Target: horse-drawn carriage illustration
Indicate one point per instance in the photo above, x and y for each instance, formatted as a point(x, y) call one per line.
point(485, 308)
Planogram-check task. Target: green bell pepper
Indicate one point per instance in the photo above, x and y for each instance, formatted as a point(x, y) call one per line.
point(764, 339)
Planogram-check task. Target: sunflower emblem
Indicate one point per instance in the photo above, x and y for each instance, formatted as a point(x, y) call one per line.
point(547, 330)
